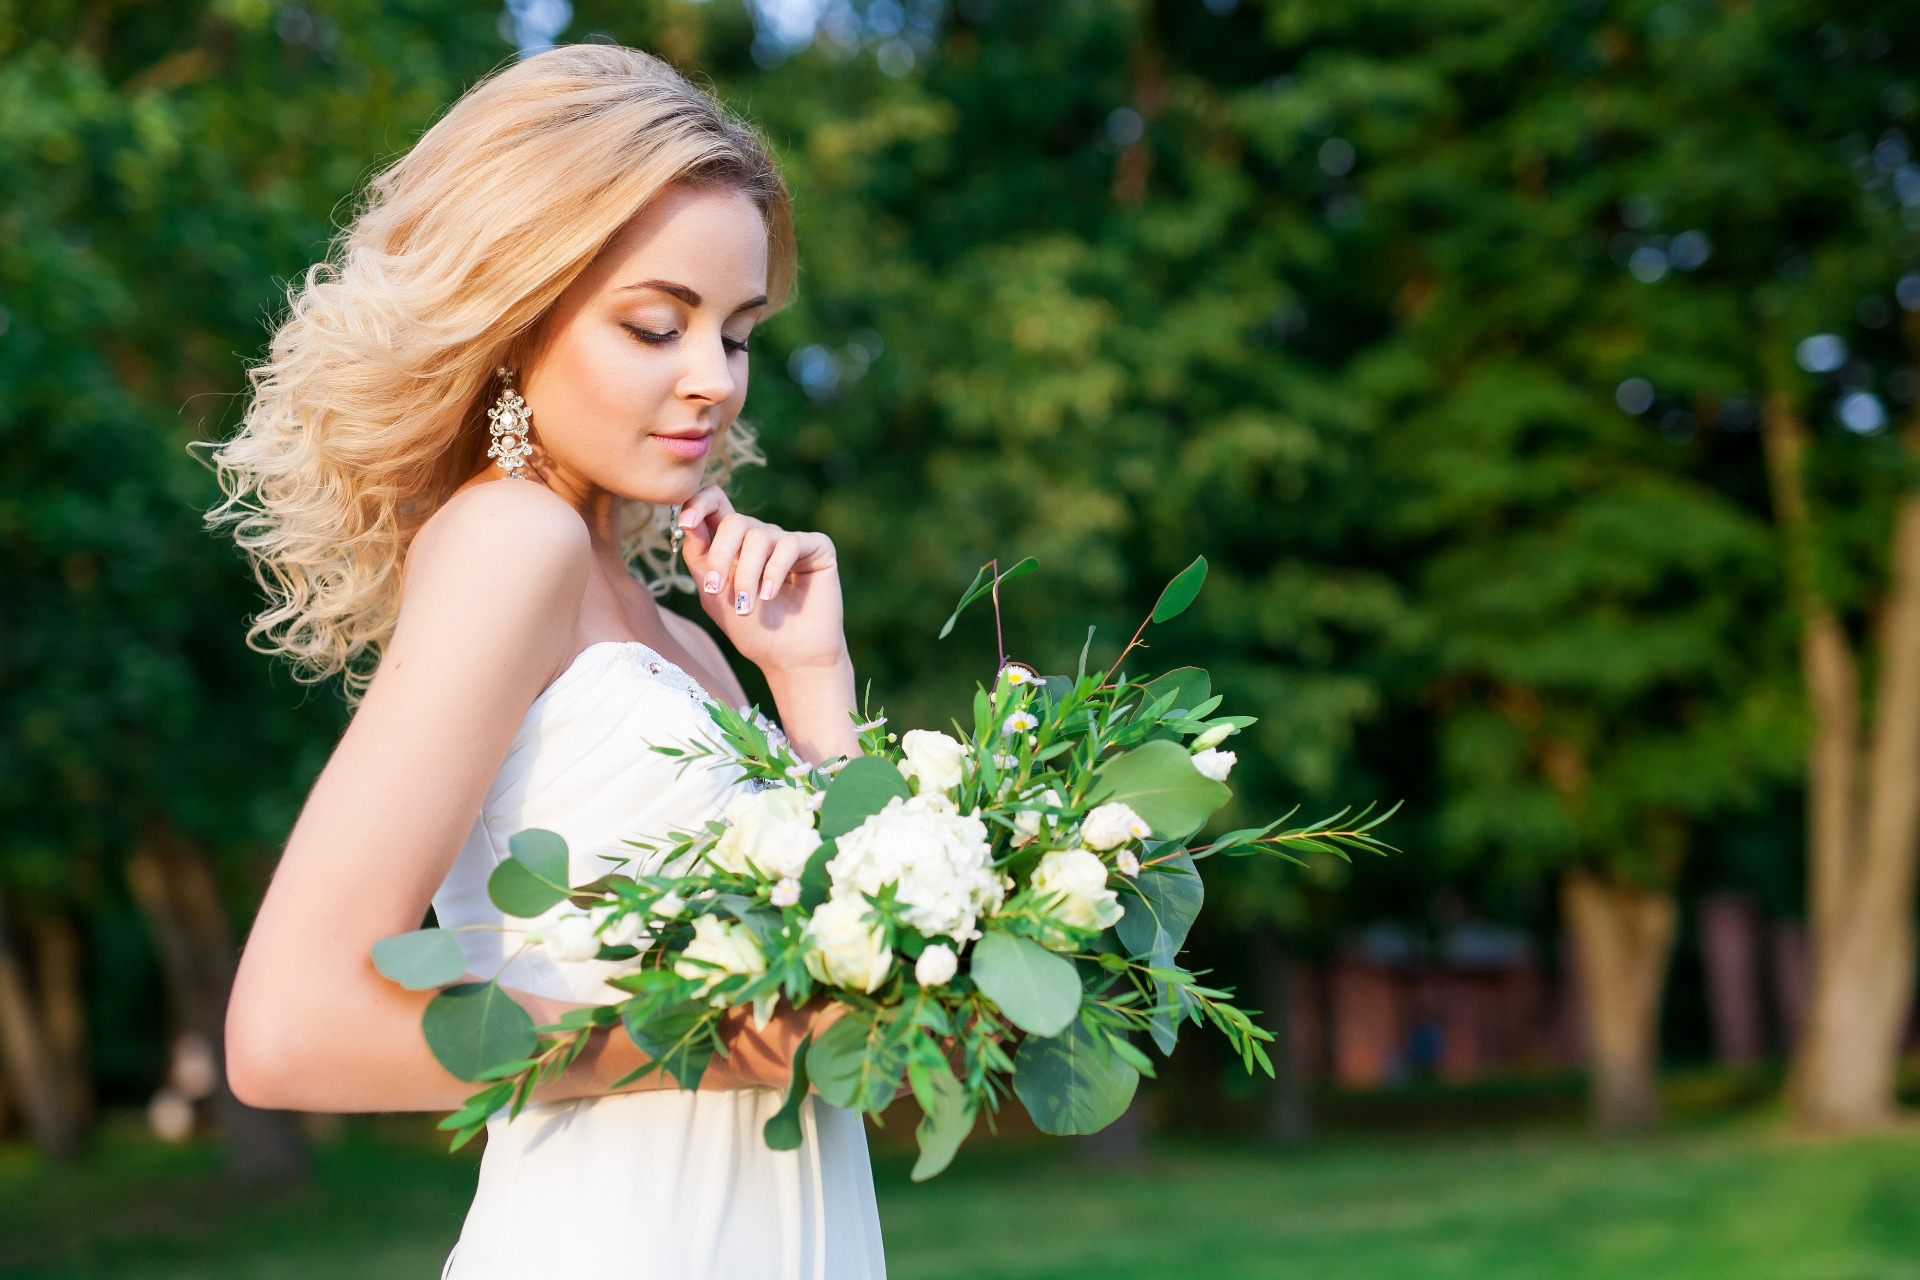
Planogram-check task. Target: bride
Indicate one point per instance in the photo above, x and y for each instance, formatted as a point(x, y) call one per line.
point(588, 239)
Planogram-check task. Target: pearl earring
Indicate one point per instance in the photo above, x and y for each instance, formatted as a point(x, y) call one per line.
point(511, 421)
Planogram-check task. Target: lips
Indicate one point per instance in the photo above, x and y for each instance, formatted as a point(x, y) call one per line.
point(689, 447)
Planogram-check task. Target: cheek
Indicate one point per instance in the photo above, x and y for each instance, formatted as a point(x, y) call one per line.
point(607, 378)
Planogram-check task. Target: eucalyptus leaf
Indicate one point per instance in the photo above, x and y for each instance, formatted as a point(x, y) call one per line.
point(476, 1025)
point(1182, 591)
point(534, 878)
point(782, 1132)
point(852, 1066)
point(1157, 780)
point(421, 959)
point(944, 1125)
point(1072, 1084)
point(1037, 990)
point(815, 883)
point(1191, 686)
point(1165, 898)
point(861, 789)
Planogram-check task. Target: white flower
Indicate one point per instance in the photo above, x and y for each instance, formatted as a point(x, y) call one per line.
point(1214, 764)
point(1026, 822)
point(1004, 761)
point(1111, 825)
point(843, 950)
point(668, 905)
point(786, 893)
point(570, 939)
point(936, 965)
point(769, 832)
point(1214, 737)
point(621, 929)
point(1126, 863)
point(727, 944)
point(1020, 722)
point(1075, 880)
point(1016, 675)
point(937, 859)
point(934, 758)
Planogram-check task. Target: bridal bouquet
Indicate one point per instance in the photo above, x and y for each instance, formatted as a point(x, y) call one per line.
point(1001, 906)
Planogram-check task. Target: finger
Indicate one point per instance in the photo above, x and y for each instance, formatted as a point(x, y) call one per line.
point(755, 547)
point(723, 549)
point(710, 503)
point(787, 550)
point(817, 552)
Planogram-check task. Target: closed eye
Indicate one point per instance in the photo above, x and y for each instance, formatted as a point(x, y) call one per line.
point(738, 345)
point(649, 336)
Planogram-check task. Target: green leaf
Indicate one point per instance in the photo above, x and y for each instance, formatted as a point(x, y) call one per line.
point(815, 883)
point(944, 1124)
point(1071, 1084)
point(783, 1131)
point(980, 585)
point(673, 1035)
point(853, 1067)
point(1158, 782)
point(534, 878)
point(1165, 898)
point(1190, 686)
point(476, 1025)
point(1037, 990)
point(857, 792)
point(1181, 591)
point(421, 959)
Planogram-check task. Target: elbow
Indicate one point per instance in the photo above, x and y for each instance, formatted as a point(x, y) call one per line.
point(257, 1056)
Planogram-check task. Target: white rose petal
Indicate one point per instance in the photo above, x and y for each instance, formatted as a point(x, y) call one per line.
point(1075, 882)
point(934, 758)
point(570, 939)
point(1111, 825)
point(726, 943)
point(1026, 822)
point(619, 929)
point(1214, 764)
point(1126, 863)
point(843, 950)
point(668, 905)
point(768, 832)
point(937, 859)
point(786, 893)
point(936, 965)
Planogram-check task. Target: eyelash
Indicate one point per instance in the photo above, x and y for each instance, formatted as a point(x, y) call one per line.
point(653, 339)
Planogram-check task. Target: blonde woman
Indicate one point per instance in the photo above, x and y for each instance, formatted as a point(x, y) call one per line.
point(529, 349)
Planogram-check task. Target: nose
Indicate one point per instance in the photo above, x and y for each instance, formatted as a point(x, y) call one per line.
point(707, 378)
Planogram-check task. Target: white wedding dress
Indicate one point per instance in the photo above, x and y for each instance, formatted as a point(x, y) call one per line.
point(670, 1184)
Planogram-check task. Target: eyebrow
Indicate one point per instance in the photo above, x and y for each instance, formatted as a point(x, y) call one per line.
point(688, 296)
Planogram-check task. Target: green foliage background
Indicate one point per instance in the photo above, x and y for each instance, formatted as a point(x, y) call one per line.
point(1347, 316)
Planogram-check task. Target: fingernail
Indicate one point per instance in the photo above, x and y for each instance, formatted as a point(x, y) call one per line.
point(687, 521)
point(742, 603)
point(768, 590)
point(712, 584)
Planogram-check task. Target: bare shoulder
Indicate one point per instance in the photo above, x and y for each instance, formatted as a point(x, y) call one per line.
point(529, 521)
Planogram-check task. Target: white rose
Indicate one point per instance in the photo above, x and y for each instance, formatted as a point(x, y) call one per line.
point(937, 858)
point(1111, 825)
point(1214, 764)
point(785, 893)
point(570, 939)
point(768, 832)
point(668, 905)
point(1075, 882)
point(618, 930)
point(1026, 822)
point(934, 758)
point(936, 965)
point(843, 950)
point(726, 943)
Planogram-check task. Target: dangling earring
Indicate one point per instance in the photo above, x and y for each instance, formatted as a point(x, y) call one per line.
point(679, 536)
point(511, 421)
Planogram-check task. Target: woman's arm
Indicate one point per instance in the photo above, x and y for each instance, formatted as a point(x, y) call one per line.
point(493, 591)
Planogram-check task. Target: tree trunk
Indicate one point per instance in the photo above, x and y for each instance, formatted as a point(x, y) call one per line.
point(175, 888)
point(1863, 806)
point(1288, 1119)
point(31, 1065)
point(59, 961)
point(1623, 938)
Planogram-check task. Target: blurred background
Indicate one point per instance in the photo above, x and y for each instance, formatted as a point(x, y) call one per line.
point(1538, 376)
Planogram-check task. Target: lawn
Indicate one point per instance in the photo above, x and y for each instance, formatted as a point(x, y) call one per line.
point(1733, 1201)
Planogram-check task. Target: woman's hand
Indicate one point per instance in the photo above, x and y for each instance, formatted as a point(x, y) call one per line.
point(776, 594)
point(762, 1057)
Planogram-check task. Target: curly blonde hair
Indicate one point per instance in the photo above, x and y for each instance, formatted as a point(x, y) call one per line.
point(370, 408)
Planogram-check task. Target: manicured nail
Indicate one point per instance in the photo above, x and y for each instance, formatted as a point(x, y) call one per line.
point(687, 520)
point(742, 603)
point(712, 584)
point(768, 590)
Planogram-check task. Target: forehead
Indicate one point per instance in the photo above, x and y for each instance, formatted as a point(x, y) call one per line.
point(716, 233)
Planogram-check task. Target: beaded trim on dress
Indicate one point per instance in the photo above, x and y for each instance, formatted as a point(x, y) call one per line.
point(642, 659)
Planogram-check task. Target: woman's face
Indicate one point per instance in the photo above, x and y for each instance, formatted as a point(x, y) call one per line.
point(642, 364)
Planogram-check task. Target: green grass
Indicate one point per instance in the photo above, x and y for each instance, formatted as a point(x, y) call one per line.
point(1734, 1201)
